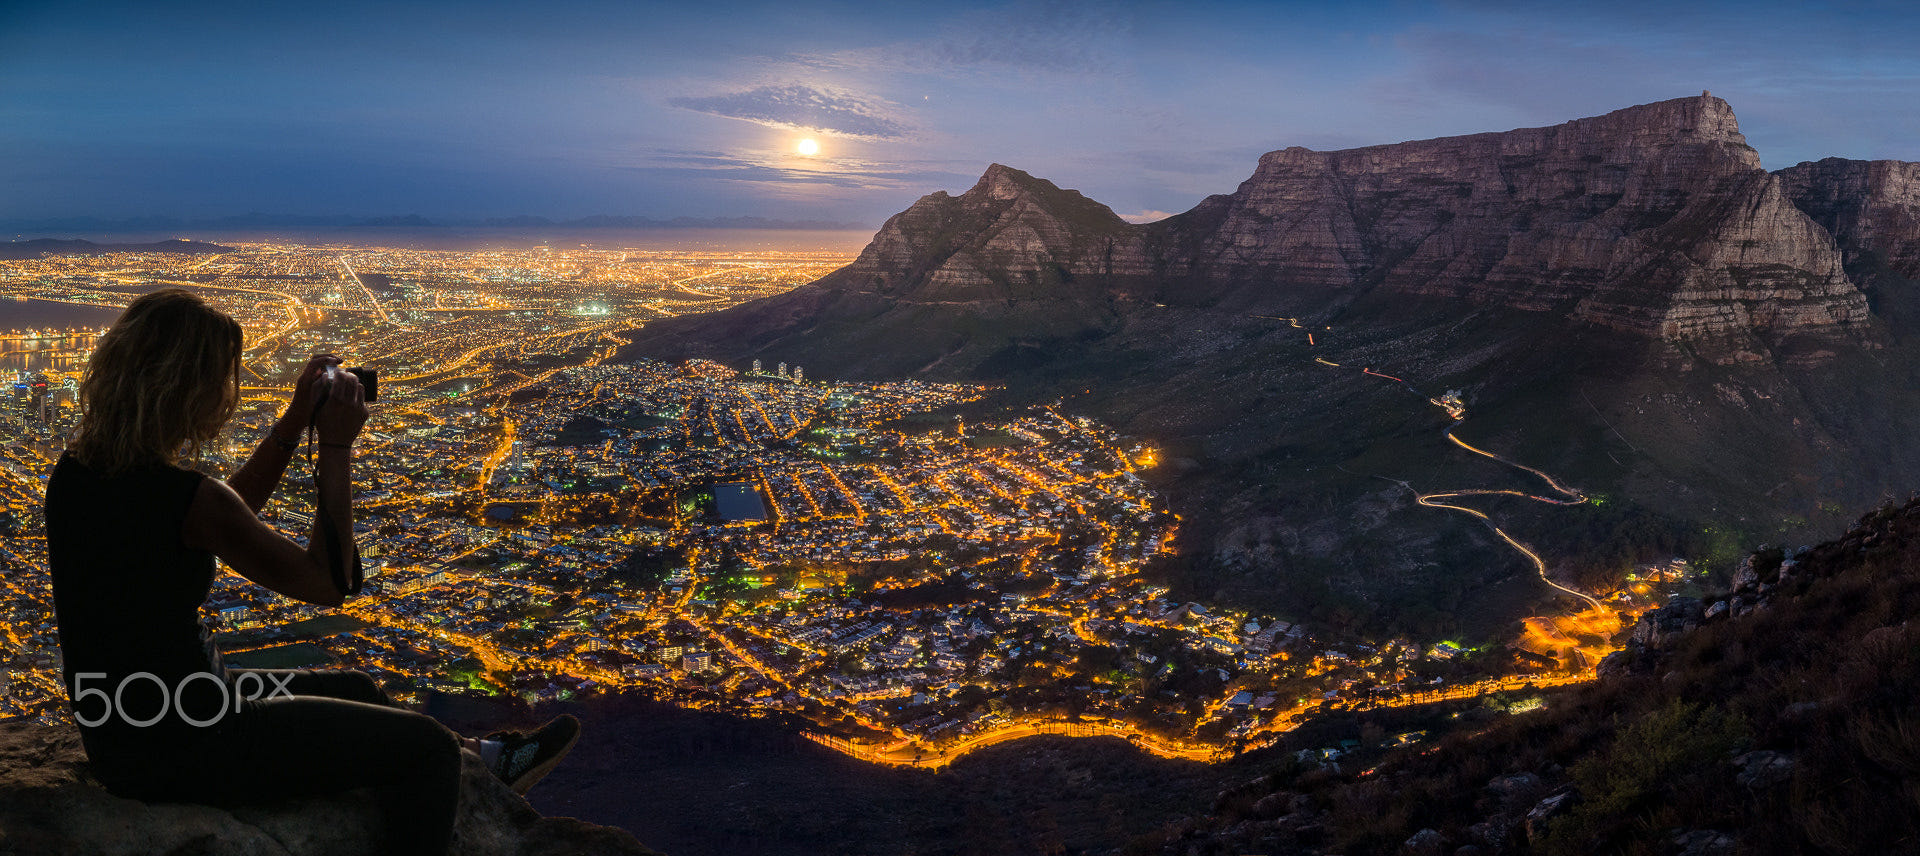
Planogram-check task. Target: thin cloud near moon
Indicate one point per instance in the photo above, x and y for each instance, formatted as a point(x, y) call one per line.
point(800, 107)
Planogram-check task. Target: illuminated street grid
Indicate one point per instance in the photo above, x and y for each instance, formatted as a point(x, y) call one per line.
point(540, 523)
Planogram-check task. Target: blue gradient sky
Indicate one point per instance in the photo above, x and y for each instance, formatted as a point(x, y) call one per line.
point(564, 109)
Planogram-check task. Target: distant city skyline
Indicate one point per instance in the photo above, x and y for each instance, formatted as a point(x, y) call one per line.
point(830, 112)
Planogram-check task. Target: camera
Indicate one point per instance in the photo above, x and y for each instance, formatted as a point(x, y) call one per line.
point(369, 385)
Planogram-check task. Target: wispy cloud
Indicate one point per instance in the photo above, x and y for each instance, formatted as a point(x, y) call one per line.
point(801, 107)
point(792, 173)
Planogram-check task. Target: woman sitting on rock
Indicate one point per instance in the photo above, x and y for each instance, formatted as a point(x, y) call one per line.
point(132, 532)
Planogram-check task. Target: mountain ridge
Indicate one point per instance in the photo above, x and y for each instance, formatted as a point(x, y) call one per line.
point(1655, 219)
point(1616, 297)
point(38, 247)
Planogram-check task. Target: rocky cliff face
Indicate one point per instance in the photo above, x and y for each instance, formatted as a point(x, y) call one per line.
point(1871, 207)
point(1655, 219)
point(51, 806)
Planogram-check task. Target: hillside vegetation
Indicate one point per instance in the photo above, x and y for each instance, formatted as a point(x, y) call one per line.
point(1785, 722)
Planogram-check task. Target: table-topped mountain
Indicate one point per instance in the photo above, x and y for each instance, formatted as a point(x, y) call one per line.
point(1656, 219)
point(1631, 300)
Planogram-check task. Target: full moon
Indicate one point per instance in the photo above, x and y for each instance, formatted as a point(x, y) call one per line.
point(809, 147)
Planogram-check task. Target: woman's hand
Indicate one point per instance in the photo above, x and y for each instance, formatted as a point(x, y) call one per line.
point(300, 410)
point(345, 411)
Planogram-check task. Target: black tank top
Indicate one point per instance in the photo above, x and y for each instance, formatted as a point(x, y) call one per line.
point(126, 594)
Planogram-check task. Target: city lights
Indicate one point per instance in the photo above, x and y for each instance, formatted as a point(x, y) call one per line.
point(543, 519)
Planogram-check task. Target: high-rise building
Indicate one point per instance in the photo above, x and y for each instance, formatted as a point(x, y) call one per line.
point(783, 370)
point(799, 374)
point(42, 410)
point(756, 366)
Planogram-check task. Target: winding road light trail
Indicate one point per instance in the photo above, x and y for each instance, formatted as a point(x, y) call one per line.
point(1430, 500)
point(1573, 497)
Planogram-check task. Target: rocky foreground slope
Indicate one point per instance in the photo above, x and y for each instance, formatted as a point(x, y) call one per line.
point(51, 806)
point(1721, 353)
point(1775, 718)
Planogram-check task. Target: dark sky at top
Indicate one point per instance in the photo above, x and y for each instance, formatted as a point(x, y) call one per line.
point(564, 109)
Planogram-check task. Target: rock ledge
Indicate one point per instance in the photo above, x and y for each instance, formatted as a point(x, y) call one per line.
point(51, 804)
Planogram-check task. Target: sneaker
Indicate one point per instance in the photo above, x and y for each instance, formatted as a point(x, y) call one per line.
point(526, 758)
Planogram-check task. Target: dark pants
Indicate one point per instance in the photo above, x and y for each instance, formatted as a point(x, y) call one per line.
point(339, 731)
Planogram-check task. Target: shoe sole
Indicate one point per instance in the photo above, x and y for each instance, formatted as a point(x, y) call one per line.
point(539, 771)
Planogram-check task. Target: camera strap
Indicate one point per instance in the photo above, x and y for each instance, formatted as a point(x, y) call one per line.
point(347, 577)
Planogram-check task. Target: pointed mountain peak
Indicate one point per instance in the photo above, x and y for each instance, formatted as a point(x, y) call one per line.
point(1004, 182)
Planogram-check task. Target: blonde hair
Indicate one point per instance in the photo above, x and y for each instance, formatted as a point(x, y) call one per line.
point(162, 380)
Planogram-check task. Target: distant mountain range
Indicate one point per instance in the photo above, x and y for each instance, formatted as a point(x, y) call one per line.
point(39, 247)
point(405, 221)
point(1715, 353)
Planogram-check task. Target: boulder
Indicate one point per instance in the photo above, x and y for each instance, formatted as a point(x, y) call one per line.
point(1660, 627)
point(1746, 577)
point(1491, 832)
point(1787, 569)
point(1763, 769)
point(1619, 664)
point(1703, 842)
point(1517, 792)
point(1799, 710)
point(1544, 811)
point(1426, 842)
point(1273, 805)
point(1518, 783)
point(51, 804)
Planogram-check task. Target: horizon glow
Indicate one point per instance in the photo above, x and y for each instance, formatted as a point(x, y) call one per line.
point(119, 110)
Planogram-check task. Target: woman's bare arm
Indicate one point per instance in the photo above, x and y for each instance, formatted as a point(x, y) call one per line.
point(219, 521)
point(333, 479)
point(257, 478)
